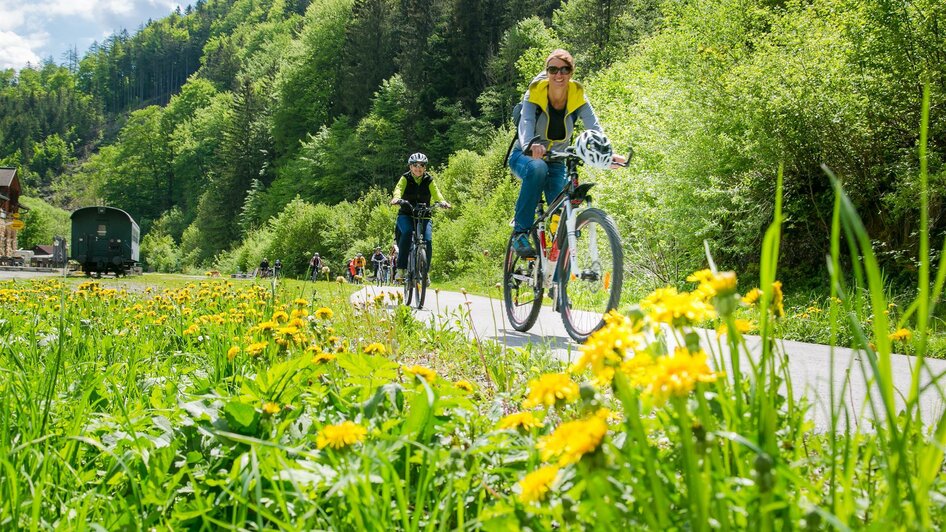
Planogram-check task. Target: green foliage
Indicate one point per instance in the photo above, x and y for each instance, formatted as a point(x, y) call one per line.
point(159, 252)
point(306, 84)
point(519, 58)
point(50, 159)
point(470, 239)
point(139, 179)
point(599, 32)
point(43, 222)
point(45, 120)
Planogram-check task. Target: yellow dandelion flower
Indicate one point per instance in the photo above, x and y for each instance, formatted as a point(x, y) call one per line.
point(742, 326)
point(298, 314)
point(323, 358)
point(267, 326)
point(606, 348)
point(466, 386)
point(714, 284)
point(535, 486)
point(666, 305)
point(375, 349)
point(300, 302)
point(280, 316)
point(287, 331)
point(422, 373)
point(550, 389)
point(324, 313)
point(341, 435)
point(271, 408)
point(233, 352)
point(675, 375)
point(256, 348)
point(520, 420)
point(193, 329)
point(901, 335)
point(752, 296)
point(572, 440)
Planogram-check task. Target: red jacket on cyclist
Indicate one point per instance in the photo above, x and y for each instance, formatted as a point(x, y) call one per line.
point(415, 186)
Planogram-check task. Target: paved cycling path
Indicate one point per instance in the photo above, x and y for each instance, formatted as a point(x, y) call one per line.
point(809, 364)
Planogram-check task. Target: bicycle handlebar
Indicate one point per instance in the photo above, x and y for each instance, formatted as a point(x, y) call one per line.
point(569, 152)
point(420, 205)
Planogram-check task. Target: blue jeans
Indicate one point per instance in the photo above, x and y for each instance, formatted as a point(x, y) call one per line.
point(404, 229)
point(537, 176)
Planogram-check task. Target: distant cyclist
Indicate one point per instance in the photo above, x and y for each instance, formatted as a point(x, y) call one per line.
point(315, 264)
point(392, 257)
point(359, 263)
point(415, 186)
point(377, 261)
point(550, 109)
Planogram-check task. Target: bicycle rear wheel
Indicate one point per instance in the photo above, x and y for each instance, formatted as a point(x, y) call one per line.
point(522, 287)
point(420, 278)
point(595, 288)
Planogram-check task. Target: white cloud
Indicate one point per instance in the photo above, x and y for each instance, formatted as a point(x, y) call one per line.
point(16, 51)
point(32, 29)
point(14, 15)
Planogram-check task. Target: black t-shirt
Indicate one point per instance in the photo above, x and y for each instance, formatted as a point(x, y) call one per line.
point(556, 123)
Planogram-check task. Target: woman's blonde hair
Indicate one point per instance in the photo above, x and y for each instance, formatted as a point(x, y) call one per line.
point(561, 55)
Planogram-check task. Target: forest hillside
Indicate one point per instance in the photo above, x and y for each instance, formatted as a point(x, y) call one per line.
point(237, 129)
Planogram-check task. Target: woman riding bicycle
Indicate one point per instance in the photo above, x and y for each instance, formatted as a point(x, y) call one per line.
point(550, 108)
point(415, 186)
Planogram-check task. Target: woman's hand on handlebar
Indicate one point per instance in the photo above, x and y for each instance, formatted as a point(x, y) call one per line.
point(444, 205)
point(538, 150)
point(397, 202)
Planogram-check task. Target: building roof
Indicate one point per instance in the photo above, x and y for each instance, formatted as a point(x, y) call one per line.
point(44, 249)
point(6, 175)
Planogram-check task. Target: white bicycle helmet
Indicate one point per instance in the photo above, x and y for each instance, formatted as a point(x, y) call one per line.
point(417, 158)
point(594, 148)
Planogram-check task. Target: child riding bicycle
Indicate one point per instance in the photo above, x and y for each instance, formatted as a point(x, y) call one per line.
point(415, 186)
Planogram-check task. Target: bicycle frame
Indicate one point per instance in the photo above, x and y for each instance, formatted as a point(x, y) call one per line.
point(566, 203)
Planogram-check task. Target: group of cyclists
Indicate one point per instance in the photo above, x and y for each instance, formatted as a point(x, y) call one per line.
point(549, 110)
point(381, 265)
point(550, 107)
point(265, 270)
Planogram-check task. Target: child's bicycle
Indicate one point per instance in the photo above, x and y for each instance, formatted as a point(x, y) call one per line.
point(418, 263)
point(579, 259)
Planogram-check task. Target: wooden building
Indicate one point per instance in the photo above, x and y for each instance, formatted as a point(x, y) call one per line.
point(9, 206)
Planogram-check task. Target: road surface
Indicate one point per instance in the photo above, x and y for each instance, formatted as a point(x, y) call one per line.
point(808, 364)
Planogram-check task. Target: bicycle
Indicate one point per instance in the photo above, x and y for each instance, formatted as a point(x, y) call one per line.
point(580, 260)
point(418, 264)
point(382, 271)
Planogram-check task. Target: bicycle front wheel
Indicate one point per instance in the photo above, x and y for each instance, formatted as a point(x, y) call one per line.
point(595, 287)
point(522, 287)
point(409, 280)
point(420, 278)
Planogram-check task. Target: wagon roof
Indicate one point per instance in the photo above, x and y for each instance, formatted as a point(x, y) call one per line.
point(83, 209)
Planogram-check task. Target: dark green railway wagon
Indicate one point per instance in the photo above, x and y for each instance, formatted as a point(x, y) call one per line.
point(104, 239)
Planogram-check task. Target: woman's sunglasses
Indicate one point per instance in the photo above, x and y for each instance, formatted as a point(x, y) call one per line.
point(552, 70)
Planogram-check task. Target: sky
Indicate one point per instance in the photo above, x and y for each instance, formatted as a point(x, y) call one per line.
point(33, 30)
